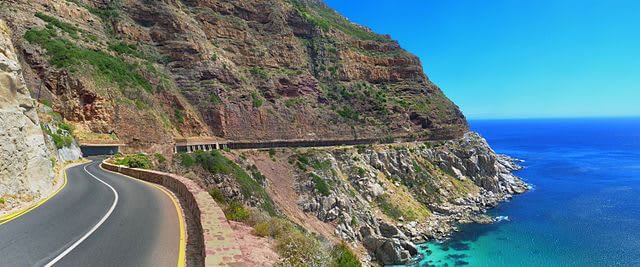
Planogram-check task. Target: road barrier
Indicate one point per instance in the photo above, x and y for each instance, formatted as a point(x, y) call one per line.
point(207, 144)
point(218, 245)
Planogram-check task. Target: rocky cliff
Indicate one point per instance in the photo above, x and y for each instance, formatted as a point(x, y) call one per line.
point(25, 168)
point(382, 198)
point(145, 72)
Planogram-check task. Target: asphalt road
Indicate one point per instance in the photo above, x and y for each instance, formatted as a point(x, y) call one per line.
point(98, 219)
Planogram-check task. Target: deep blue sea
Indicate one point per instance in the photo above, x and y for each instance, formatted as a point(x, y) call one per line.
point(584, 209)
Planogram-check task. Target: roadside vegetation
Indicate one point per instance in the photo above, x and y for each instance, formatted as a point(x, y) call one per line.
point(60, 139)
point(58, 130)
point(140, 160)
point(295, 246)
point(216, 163)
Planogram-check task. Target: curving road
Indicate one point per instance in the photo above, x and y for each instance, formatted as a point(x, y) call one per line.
point(98, 219)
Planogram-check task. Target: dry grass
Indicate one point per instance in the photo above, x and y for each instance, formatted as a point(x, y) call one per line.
point(402, 201)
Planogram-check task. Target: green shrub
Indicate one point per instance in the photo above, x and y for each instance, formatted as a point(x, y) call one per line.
point(160, 158)
point(300, 249)
point(91, 37)
point(361, 148)
point(417, 167)
point(256, 216)
point(217, 195)
point(258, 72)
point(256, 99)
point(343, 256)
point(140, 105)
point(257, 175)
point(294, 102)
point(126, 49)
point(215, 99)
point(64, 54)
point(348, 113)
point(46, 102)
point(272, 152)
point(354, 221)
point(304, 159)
point(65, 126)
point(321, 165)
point(297, 248)
point(179, 115)
point(65, 27)
point(55, 115)
point(186, 160)
point(236, 212)
point(274, 227)
point(135, 161)
point(60, 139)
point(262, 229)
point(2, 200)
point(326, 18)
point(301, 166)
point(216, 163)
point(320, 185)
point(107, 13)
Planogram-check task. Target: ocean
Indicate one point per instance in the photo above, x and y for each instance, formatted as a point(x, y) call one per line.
point(583, 210)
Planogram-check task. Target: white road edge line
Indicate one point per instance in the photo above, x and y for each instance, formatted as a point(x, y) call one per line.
point(95, 227)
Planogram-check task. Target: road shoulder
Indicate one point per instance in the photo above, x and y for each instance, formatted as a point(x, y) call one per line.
point(179, 210)
point(59, 182)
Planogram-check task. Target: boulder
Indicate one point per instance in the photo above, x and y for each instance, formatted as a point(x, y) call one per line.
point(387, 250)
point(390, 231)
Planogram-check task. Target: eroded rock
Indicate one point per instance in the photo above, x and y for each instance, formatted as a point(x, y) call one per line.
point(25, 169)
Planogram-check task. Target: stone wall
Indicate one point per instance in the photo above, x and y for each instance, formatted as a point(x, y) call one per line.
point(218, 245)
point(25, 168)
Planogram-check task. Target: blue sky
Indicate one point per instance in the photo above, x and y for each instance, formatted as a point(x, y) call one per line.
point(519, 59)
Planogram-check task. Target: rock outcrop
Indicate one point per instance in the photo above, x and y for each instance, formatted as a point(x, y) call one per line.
point(387, 198)
point(25, 168)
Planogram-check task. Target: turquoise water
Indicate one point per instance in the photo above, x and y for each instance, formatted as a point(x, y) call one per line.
point(584, 209)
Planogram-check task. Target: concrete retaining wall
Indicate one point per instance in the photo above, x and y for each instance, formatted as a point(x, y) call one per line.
point(218, 246)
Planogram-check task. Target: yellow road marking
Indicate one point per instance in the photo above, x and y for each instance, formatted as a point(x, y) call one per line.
point(14, 216)
point(183, 240)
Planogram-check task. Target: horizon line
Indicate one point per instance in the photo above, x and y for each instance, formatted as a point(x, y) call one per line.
point(557, 118)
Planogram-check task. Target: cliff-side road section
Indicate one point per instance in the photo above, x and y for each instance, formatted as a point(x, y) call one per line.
point(98, 219)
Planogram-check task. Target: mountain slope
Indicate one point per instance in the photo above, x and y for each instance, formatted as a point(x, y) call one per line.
point(146, 72)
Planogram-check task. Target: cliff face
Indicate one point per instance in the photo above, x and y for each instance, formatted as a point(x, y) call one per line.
point(25, 167)
point(144, 72)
